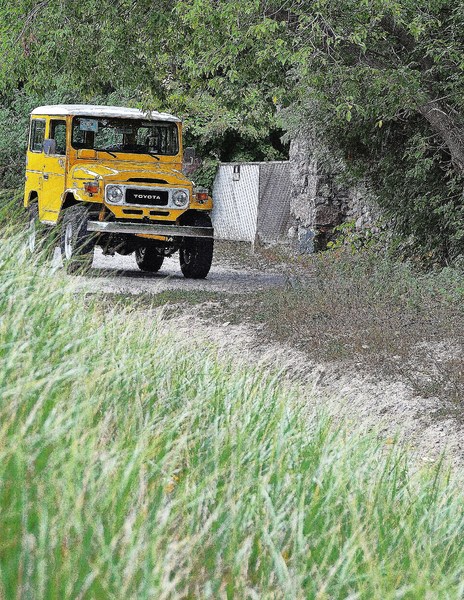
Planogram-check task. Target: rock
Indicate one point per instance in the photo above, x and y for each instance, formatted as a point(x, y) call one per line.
point(318, 202)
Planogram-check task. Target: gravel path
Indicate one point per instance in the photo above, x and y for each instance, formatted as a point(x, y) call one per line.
point(120, 274)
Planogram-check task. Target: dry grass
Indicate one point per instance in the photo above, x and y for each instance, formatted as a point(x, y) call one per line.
point(375, 311)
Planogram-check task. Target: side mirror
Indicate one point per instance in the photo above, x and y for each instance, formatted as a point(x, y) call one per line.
point(189, 155)
point(49, 147)
point(87, 153)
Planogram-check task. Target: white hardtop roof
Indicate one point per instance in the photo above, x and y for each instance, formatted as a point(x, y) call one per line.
point(92, 110)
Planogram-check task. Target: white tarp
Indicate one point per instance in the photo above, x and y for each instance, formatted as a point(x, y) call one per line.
point(252, 202)
point(235, 212)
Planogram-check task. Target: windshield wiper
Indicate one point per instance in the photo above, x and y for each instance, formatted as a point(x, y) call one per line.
point(153, 156)
point(107, 151)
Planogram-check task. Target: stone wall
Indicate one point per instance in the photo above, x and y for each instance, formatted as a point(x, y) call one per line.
point(318, 203)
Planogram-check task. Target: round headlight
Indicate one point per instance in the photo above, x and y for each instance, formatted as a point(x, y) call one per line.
point(114, 194)
point(180, 198)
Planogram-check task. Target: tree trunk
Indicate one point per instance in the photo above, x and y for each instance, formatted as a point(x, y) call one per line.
point(445, 121)
point(447, 127)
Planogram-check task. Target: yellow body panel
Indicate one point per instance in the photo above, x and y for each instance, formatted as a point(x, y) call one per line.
point(53, 179)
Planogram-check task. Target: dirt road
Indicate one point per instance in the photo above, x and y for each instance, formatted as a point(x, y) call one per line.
point(389, 408)
point(120, 274)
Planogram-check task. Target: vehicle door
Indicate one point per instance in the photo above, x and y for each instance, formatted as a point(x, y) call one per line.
point(34, 163)
point(54, 169)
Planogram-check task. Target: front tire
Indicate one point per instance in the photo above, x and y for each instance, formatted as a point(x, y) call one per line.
point(148, 259)
point(196, 254)
point(77, 244)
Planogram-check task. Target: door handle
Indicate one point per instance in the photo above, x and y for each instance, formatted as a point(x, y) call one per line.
point(45, 175)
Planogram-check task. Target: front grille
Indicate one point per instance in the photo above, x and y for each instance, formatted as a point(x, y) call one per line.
point(147, 197)
point(146, 180)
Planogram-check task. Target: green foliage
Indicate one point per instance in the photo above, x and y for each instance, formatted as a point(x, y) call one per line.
point(12, 212)
point(184, 57)
point(379, 81)
point(135, 464)
point(14, 116)
point(415, 183)
point(377, 70)
point(347, 236)
point(205, 174)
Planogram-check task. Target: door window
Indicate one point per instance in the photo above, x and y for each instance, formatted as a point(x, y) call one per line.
point(37, 135)
point(58, 133)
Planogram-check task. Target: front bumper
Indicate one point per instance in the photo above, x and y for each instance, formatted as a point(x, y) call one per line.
point(150, 229)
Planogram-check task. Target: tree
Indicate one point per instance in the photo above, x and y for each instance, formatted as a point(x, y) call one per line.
point(379, 80)
point(385, 81)
point(173, 55)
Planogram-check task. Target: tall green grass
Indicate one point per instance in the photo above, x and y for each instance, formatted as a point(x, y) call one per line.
point(13, 216)
point(136, 465)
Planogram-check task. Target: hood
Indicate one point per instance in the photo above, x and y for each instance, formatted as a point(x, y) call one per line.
point(122, 171)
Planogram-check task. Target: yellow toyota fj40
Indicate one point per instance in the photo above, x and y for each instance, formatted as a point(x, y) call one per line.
point(110, 176)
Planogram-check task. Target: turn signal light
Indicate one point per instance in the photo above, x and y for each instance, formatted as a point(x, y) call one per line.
point(91, 187)
point(201, 195)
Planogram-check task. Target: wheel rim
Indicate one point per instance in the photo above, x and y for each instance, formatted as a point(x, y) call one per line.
point(32, 236)
point(68, 233)
point(188, 256)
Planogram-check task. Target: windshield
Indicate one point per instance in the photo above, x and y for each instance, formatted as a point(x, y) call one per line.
point(125, 135)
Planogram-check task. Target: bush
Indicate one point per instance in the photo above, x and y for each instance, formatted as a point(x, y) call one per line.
point(14, 114)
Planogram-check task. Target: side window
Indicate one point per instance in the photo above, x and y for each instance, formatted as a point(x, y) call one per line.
point(37, 135)
point(58, 133)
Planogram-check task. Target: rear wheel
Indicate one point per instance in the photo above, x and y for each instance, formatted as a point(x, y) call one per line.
point(33, 229)
point(148, 259)
point(40, 238)
point(196, 254)
point(77, 244)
